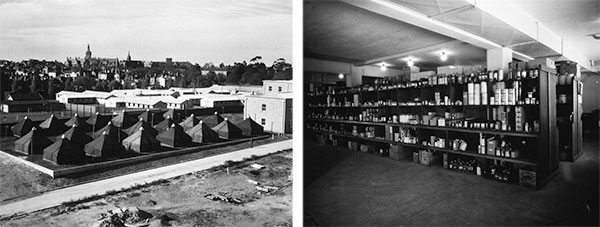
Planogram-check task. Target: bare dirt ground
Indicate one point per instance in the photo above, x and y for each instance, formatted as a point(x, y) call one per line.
point(182, 201)
point(19, 181)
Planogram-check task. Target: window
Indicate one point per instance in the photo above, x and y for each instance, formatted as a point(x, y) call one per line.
point(264, 107)
point(263, 121)
point(270, 88)
point(279, 89)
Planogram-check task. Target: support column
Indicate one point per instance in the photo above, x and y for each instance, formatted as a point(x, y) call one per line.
point(499, 58)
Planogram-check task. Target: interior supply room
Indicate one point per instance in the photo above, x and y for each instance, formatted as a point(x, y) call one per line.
point(451, 112)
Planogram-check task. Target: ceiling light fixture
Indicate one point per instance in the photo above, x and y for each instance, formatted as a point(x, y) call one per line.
point(443, 56)
point(383, 67)
point(410, 62)
point(341, 76)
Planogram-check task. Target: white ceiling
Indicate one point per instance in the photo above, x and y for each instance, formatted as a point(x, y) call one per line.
point(573, 20)
point(334, 29)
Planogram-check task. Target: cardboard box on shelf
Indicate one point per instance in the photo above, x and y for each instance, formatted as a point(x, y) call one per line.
point(428, 157)
point(527, 178)
point(416, 157)
point(541, 61)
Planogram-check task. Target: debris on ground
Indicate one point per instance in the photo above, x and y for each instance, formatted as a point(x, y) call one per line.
point(257, 166)
point(122, 216)
point(150, 203)
point(223, 198)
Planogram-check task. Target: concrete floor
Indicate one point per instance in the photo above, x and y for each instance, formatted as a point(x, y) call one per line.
point(344, 187)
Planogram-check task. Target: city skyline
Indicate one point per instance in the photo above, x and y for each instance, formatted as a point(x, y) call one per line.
point(194, 31)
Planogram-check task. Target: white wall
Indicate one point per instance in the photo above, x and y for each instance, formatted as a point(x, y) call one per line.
point(353, 73)
point(591, 91)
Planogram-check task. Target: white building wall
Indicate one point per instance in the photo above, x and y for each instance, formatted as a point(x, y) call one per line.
point(274, 115)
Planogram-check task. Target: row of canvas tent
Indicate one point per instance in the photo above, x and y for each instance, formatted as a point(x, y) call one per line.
point(75, 145)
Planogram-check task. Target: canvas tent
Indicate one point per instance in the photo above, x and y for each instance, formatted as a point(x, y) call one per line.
point(97, 121)
point(62, 152)
point(250, 128)
point(77, 136)
point(173, 114)
point(175, 136)
point(213, 120)
point(141, 123)
point(103, 147)
point(201, 133)
point(189, 122)
point(227, 130)
point(141, 141)
point(53, 126)
point(151, 117)
point(33, 142)
point(112, 131)
point(22, 127)
point(164, 125)
point(123, 120)
point(76, 120)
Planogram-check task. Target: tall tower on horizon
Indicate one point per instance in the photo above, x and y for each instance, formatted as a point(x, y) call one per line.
point(128, 56)
point(88, 53)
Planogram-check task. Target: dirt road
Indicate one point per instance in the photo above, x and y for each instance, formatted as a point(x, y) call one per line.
point(56, 197)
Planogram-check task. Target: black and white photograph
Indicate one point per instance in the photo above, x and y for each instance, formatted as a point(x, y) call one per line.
point(451, 113)
point(146, 113)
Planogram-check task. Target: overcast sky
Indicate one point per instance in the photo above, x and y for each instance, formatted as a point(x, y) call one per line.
point(198, 31)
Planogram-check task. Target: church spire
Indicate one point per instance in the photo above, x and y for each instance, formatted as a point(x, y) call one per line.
point(128, 56)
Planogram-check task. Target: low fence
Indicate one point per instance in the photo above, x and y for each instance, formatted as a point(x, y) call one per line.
point(104, 165)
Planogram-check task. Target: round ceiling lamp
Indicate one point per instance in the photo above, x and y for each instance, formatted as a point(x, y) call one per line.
point(443, 56)
point(341, 76)
point(410, 62)
point(383, 67)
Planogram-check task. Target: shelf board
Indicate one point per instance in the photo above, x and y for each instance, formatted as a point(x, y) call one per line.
point(419, 146)
point(443, 128)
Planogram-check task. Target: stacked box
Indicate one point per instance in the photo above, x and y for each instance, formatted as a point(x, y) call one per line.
point(484, 95)
point(445, 160)
point(353, 145)
point(416, 157)
point(427, 157)
point(389, 133)
point(364, 148)
point(477, 94)
point(527, 178)
point(395, 152)
point(491, 146)
point(541, 61)
point(519, 118)
point(470, 93)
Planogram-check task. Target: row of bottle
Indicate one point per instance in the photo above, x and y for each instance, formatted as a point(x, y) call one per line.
point(498, 170)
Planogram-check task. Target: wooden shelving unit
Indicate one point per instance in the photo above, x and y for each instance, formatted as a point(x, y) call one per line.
point(369, 115)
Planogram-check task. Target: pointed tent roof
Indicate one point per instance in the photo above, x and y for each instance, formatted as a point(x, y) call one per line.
point(189, 122)
point(33, 142)
point(141, 123)
point(213, 120)
point(112, 131)
point(75, 120)
point(250, 128)
point(164, 125)
point(122, 120)
point(172, 113)
point(77, 136)
point(227, 130)
point(62, 152)
point(50, 122)
point(201, 133)
point(103, 146)
point(23, 127)
point(141, 141)
point(53, 126)
point(98, 120)
point(147, 116)
point(175, 136)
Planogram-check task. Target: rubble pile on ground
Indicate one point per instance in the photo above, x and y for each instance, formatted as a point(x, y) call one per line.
point(122, 216)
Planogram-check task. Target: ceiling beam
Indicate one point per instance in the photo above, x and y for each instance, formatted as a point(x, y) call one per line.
point(411, 52)
point(393, 10)
point(520, 20)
